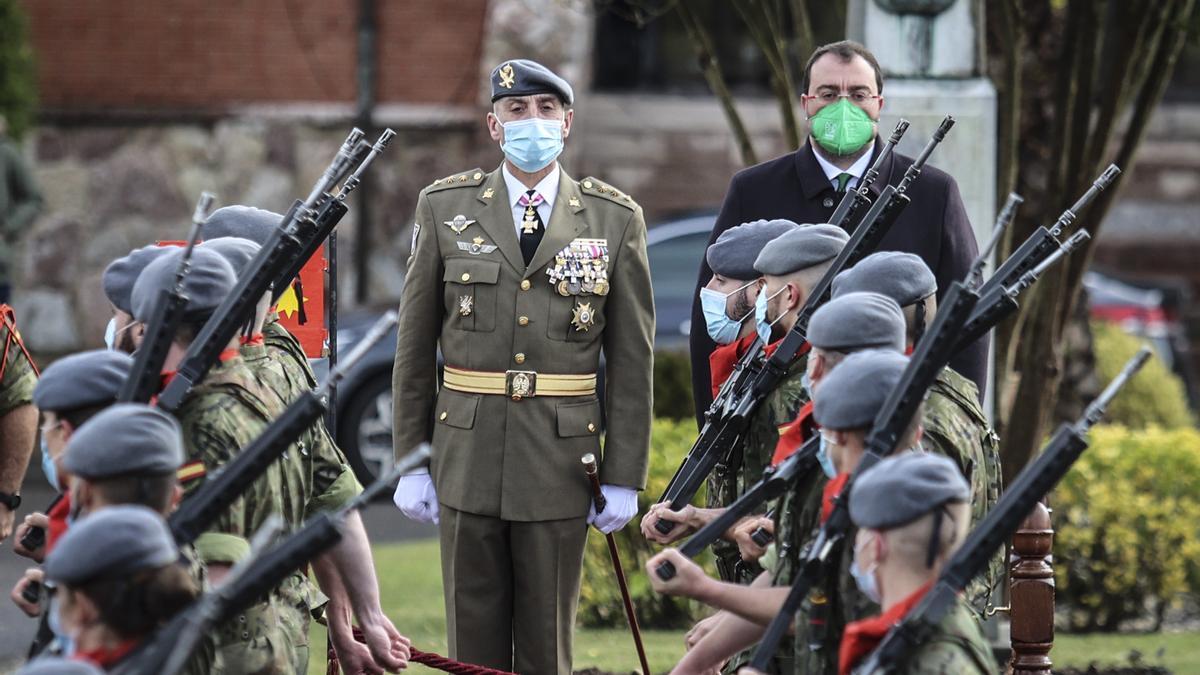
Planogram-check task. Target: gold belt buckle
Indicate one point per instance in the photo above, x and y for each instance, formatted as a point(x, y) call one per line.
point(520, 384)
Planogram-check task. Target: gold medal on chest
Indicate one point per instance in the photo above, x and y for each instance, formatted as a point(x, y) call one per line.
point(583, 317)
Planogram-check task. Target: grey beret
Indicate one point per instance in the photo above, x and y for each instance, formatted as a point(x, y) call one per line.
point(246, 222)
point(121, 274)
point(904, 487)
point(851, 395)
point(734, 252)
point(237, 251)
point(125, 439)
point(210, 279)
point(801, 248)
point(53, 665)
point(82, 380)
point(112, 543)
point(522, 77)
point(858, 321)
point(903, 277)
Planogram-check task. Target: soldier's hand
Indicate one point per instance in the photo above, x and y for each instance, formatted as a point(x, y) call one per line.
point(682, 519)
point(31, 521)
point(354, 658)
point(703, 627)
point(6, 521)
point(416, 497)
point(689, 579)
point(32, 576)
point(750, 550)
point(388, 647)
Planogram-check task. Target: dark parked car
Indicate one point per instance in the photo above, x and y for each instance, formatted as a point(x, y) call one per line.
point(364, 400)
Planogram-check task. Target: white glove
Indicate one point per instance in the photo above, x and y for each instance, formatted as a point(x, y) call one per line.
point(416, 498)
point(620, 508)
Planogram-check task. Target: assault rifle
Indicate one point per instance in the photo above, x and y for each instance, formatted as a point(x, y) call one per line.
point(932, 354)
point(1035, 480)
point(1005, 217)
point(170, 647)
point(144, 379)
point(753, 378)
point(198, 512)
point(278, 254)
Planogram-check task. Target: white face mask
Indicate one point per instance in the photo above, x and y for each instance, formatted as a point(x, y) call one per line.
point(866, 580)
point(111, 332)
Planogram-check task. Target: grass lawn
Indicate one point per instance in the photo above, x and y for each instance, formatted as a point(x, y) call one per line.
point(411, 584)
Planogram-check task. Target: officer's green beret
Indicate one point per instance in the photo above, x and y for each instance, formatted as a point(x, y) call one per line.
point(522, 77)
point(904, 487)
point(54, 665)
point(122, 273)
point(82, 380)
point(246, 222)
point(903, 277)
point(208, 282)
point(112, 543)
point(852, 394)
point(125, 439)
point(237, 251)
point(733, 253)
point(801, 248)
point(857, 321)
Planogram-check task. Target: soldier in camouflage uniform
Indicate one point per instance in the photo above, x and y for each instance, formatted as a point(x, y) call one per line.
point(18, 417)
point(223, 413)
point(106, 474)
point(955, 425)
point(911, 512)
point(317, 472)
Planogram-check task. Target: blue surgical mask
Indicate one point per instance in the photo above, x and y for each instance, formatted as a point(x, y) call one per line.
point(760, 315)
point(65, 645)
point(865, 579)
point(110, 333)
point(722, 329)
point(532, 144)
point(823, 457)
point(48, 467)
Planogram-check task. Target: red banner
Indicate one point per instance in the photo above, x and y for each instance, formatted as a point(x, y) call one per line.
point(302, 307)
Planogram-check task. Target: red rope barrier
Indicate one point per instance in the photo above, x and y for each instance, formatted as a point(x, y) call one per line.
point(435, 661)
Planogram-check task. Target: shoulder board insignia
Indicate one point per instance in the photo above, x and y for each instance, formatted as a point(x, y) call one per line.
point(470, 178)
point(190, 472)
point(598, 188)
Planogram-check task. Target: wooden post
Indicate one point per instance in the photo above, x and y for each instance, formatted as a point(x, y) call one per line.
point(1031, 595)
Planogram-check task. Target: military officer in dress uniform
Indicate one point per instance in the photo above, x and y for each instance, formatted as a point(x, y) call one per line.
point(522, 275)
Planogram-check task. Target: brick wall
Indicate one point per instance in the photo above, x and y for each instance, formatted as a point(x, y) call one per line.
point(210, 54)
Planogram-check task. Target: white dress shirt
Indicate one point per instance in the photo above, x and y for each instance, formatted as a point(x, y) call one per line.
point(546, 187)
point(857, 170)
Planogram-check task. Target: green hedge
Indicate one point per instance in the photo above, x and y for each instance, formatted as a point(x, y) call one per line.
point(600, 599)
point(1155, 396)
point(673, 385)
point(1128, 527)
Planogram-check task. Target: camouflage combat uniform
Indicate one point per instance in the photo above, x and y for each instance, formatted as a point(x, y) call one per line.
point(19, 376)
point(316, 478)
point(955, 647)
point(219, 417)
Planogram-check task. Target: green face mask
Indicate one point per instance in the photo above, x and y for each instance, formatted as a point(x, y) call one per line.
point(842, 128)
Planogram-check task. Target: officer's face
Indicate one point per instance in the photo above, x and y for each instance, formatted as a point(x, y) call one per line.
point(536, 106)
point(831, 78)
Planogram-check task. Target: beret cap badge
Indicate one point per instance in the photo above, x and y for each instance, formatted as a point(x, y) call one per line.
point(507, 77)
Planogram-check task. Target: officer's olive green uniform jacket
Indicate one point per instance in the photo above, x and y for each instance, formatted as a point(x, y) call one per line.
point(519, 460)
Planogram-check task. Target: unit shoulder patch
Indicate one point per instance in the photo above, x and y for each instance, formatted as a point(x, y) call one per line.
point(470, 178)
point(598, 188)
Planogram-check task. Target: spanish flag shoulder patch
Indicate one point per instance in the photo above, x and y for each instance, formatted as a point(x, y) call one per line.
point(190, 471)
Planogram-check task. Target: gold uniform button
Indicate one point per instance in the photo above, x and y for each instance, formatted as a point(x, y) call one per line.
point(523, 321)
point(443, 416)
point(466, 276)
point(525, 284)
point(519, 358)
point(591, 427)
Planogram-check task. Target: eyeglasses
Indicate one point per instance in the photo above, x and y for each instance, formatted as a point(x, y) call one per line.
point(858, 97)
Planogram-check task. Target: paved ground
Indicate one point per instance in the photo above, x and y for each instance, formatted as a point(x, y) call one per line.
point(384, 524)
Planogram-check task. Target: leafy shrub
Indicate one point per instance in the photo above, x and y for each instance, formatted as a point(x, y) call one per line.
point(1128, 526)
point(673, 385)
point(600, 597)
point(18, 87)
point(1155, 396)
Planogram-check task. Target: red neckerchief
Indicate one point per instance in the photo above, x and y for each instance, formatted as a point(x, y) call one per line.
point(832, 489)
point(256, 340)
point(908, 350)
point(722, 360)
point(58, 521)
point(168, 375)
point(793, 434)
point(862, 637)
point(106, 657)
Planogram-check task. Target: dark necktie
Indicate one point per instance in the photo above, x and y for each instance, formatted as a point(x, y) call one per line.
point(842, 179)
point(532, 227)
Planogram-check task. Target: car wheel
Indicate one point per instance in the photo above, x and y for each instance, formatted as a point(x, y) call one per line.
point(365, 430)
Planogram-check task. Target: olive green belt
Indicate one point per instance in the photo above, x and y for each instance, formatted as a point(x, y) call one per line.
point(518, 384)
